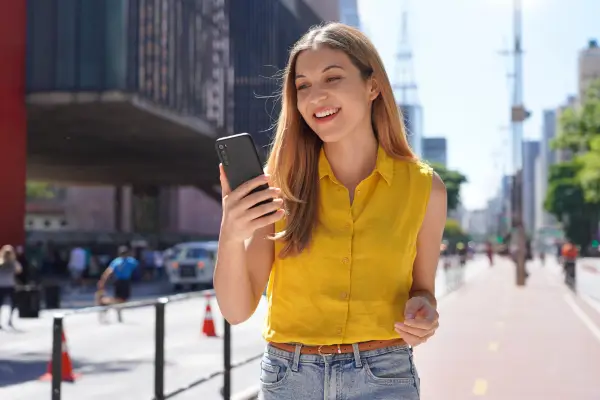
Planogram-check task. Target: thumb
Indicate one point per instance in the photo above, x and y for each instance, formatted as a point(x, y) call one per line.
point(225, 188)
point(413, 306)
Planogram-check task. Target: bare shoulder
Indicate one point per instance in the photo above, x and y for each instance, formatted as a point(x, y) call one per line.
point(438, 187)
point(438, 199)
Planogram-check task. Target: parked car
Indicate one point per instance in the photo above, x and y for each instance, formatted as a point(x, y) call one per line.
point(191, 264)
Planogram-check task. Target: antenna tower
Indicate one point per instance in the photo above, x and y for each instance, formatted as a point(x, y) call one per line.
point(405, 85)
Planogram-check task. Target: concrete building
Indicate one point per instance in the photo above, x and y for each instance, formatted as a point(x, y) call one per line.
point(531, 150)
point(435, 150)
point(477, 222)
point(571, 102)
point(178, 210)
point(546, 159)
point(588, 66)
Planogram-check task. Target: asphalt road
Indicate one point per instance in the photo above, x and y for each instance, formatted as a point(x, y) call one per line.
point(117, 360)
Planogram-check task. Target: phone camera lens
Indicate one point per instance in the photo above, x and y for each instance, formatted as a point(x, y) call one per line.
point(221, 147)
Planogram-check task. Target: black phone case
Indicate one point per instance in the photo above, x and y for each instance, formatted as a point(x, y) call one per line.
point(240, 161)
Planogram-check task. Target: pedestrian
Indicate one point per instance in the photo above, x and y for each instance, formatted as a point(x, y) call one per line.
point(351, 250)
point(9, 268)
point(122, 268)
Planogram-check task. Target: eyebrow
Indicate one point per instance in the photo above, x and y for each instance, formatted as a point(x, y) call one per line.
point(327, 68)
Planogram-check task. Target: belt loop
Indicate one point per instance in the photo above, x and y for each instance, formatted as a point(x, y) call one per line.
point(357, 362)
point(296, 361)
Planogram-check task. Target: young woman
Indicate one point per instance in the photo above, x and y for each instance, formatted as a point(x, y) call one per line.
point(9, 269)
point(350, 254)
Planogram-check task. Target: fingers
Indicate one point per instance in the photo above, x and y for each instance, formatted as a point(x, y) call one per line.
point(422, 323)
point(267, 219)
point(426, 327)
point(415, 340)
point(245, 188)
point(259, 211)
point(225, 188)
point(262, 195)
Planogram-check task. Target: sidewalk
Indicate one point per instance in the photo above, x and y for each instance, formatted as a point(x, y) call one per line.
point(498, 341)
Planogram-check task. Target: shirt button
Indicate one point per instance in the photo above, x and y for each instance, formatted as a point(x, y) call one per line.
point(344, 296)
point(339, 331)
point(345, 260)
point(348, 225)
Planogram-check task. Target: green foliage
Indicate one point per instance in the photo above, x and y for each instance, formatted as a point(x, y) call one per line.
point(573, 194)
point(454, 233)
point(453, 229)
point(38, 190)
point(453, 181)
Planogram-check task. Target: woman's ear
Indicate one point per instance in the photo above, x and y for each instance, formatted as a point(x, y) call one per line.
point(373, 89)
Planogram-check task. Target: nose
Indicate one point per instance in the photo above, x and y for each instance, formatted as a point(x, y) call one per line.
point(317, 96)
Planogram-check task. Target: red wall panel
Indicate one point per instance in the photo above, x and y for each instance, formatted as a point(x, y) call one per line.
point(13, 124)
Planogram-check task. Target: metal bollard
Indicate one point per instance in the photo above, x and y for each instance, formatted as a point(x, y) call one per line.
point(226, 360)
point(159, 350)
point(57, 331)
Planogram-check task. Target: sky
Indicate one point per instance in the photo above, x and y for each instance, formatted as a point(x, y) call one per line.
point(462, 77)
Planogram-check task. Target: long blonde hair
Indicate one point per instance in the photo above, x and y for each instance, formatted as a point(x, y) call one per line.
point(294, 156)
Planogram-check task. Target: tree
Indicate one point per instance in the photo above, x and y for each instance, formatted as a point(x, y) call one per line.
point(565, 199)
point(573, 195)
point(579, 132)
point(454, 233)
point(38, 190)
point(453, 181)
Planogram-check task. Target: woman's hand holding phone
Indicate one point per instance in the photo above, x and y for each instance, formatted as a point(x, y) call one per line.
point(241, 216)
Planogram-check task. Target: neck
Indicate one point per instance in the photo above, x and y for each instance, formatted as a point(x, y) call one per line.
point(352, 159)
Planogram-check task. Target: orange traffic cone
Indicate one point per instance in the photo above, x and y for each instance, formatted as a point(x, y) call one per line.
point(208, 328)
point(66, 365)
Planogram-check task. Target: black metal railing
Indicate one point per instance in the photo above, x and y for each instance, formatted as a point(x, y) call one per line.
point(454, 279)
point(159, 346)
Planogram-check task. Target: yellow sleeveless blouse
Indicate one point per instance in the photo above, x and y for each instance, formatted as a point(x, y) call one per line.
point(352, 283)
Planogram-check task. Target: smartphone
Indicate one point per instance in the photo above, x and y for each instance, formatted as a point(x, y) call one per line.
point(240, 161)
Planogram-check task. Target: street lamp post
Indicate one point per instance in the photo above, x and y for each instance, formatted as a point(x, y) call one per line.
point(518, 115)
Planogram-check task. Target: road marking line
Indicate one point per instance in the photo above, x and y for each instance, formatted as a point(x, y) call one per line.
point(480, 387)
point(493, 346)
point(583, 316)
point(595, 304)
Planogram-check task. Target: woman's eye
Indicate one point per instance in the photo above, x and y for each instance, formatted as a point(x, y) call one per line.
point(333, 78)
point(301, 87)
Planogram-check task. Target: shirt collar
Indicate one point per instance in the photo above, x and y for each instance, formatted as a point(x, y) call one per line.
point(384, 165)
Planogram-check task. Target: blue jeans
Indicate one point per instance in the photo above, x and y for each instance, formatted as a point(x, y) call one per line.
point(382, 374)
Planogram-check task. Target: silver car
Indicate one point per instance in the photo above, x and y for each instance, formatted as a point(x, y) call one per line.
point(191, 264)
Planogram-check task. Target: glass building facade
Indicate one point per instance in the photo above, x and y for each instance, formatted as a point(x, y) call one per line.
point(413, 121)
point(261, 36)
point(349, 13)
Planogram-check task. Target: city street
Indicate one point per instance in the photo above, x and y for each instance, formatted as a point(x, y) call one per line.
point(117, 359)
point(498, 341)
point(486, 325)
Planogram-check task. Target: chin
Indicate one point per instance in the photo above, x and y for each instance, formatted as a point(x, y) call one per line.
point(331, 137)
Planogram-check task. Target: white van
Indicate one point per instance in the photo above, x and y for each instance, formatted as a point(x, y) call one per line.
point(191, 264)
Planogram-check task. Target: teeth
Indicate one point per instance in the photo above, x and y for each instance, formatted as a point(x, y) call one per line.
point(326, 113)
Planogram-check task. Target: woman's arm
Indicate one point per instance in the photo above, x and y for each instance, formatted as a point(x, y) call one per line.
point(18, 268)
point(428, 243)
point(241, 274)
point(420, 312)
